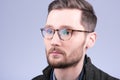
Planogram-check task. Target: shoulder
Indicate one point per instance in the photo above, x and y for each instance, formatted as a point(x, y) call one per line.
point(95, 73)
point(102, 75)
point(46, 74)
point(40, 77)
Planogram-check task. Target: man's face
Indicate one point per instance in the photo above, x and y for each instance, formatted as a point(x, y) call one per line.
point(62, 54)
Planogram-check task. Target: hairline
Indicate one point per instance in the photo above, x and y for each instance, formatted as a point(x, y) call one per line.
point(81, 11)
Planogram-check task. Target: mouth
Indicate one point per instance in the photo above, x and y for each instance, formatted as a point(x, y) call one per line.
point(56, 55)
point(55, 52)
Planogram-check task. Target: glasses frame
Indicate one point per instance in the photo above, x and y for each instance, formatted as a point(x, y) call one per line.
point(72, 30)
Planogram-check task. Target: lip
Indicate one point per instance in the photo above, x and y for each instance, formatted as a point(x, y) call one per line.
point(55, 52)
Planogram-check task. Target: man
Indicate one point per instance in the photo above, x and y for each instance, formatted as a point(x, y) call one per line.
point(68, 33)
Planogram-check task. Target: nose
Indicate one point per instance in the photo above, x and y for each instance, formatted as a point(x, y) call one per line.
point(55, 41)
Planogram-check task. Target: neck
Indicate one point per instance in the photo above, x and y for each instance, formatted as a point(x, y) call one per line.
point(69, 73)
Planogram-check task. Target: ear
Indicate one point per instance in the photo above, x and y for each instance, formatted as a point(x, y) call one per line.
point(91, 40)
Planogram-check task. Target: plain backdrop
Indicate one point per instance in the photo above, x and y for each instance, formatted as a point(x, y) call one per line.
point(22, 50)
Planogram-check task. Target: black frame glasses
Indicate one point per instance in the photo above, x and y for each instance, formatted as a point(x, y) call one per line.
point(64, 34)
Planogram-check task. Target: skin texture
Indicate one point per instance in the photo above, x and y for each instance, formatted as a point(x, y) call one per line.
point(67, 56)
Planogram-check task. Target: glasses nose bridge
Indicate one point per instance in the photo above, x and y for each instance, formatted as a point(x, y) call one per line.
point(56, 30)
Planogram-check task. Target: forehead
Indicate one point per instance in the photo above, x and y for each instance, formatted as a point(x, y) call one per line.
point(64, 17)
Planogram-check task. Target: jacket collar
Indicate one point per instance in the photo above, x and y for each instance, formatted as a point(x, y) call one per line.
point(88, 67)
point(47, 71)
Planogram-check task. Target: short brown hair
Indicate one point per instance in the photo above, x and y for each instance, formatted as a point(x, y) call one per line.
point(89, 18)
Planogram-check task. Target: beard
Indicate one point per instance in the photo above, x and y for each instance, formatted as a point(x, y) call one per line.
point(63, 61)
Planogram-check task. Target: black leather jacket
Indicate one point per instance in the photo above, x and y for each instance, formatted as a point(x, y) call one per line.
point(91, 73)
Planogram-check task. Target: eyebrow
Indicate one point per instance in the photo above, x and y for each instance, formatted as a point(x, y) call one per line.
point(62, 26)
point(47, 26)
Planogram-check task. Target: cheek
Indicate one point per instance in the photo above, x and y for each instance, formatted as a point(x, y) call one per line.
point(75, 47)
point(47, 44)
point(70, 48)
point(76, 53)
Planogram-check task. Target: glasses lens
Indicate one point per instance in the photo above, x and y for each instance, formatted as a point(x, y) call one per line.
point(65, 34)
point(47, 33)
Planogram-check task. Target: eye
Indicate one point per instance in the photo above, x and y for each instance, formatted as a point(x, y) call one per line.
point(49, 31)
point(65, 32)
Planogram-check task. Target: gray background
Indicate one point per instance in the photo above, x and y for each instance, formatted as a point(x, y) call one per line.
point(22, 55)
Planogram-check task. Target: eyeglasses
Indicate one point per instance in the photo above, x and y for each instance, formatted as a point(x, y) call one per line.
point(64, 34)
